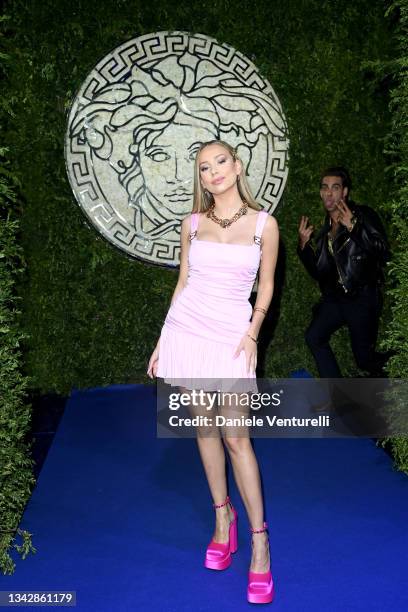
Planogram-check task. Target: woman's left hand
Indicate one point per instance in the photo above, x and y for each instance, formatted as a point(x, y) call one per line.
point(250, 347)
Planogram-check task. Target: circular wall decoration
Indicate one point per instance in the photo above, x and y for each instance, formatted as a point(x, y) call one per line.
point(137, 121)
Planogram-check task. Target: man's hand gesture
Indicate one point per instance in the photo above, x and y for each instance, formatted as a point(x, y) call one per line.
point(305, 232)
point(345, 215)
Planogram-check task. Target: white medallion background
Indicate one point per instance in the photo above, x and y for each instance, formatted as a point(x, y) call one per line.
point(137, 121)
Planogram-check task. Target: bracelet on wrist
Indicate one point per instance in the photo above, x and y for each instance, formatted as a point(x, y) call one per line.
point(260, 309)
point(353, 221)
point(252, 338)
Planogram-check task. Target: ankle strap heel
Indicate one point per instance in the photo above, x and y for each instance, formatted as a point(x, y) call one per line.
point(260, 585)
point(219, 554)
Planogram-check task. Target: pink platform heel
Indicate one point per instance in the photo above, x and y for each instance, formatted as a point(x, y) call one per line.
point(260, 586)
point(218, 555)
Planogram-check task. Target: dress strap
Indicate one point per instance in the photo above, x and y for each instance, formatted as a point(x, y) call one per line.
point(193, 225)
point(260, 224)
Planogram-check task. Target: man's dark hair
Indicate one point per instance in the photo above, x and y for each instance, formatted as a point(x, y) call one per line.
point(338, 171)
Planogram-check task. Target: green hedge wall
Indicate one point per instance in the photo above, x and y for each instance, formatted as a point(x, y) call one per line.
point(396, 335)
point(92, 315)
point(16, 479)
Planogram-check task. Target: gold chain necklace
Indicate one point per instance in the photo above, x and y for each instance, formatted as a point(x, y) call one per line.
point(227, 222)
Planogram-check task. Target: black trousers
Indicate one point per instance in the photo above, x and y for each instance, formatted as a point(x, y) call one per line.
point(360, 312)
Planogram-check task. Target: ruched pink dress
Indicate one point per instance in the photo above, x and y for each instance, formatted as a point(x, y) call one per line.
point(210, 315)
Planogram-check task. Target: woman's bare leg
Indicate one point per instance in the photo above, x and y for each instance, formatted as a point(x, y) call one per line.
point(247, 477)
point(212, 455)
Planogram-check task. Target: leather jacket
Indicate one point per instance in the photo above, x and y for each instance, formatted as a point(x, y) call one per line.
point(357, 258)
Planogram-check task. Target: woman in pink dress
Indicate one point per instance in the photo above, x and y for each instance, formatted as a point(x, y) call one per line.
point(211, 331)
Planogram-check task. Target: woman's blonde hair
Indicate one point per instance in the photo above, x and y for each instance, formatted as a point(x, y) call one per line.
point(203, 199)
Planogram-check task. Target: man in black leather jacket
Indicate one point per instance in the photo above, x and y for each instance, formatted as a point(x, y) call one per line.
point(346, 258)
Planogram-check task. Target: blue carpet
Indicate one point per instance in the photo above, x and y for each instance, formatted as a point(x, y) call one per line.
point(123, 518)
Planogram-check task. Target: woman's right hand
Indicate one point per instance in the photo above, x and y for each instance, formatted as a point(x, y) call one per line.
point(153, 363)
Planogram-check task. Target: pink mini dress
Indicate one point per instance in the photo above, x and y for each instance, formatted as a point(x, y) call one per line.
point(205, 324)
